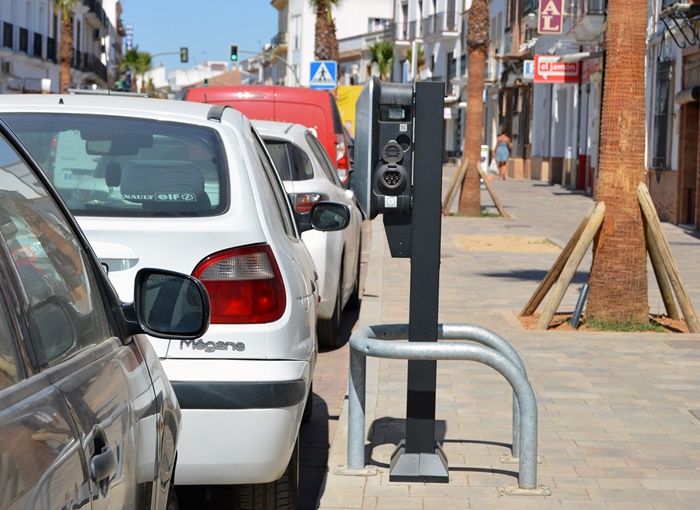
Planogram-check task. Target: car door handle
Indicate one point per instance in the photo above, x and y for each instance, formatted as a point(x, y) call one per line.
point(102, 464)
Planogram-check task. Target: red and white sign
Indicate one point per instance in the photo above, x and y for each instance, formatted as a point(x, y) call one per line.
point(548, 70)
point(550, 16)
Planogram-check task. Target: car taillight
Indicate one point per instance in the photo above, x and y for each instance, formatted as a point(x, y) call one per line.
point(244, 284)
point(304, 201)
point(341, 156)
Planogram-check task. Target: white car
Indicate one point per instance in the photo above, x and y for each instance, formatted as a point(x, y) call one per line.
point(190, 187)
point(310, 177)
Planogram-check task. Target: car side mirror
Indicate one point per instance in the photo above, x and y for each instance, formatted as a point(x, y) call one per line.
point(325, 217)
point(171, 305)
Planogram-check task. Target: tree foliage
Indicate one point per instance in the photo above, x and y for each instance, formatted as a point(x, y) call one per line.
point(382, 53)
point(325, 40)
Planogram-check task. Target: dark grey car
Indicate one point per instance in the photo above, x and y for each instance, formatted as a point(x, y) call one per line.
point(88, 418)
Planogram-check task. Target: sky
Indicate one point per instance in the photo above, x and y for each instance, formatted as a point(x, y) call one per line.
point(206, 27)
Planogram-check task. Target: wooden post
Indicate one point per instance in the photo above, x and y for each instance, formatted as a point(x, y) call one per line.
point(556, 270)
point(454, 186)
point(661, 275)
point(667, 258)
point(495, 199)
point(567, 274)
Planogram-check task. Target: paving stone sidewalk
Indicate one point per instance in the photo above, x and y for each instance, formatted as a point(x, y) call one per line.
point(619, 413)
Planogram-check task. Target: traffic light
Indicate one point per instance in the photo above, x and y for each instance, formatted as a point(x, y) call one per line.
point(233, 55)
point(206, 82)
point(183, 54)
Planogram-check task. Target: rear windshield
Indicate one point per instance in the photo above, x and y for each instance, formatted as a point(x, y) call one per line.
point(118, 166)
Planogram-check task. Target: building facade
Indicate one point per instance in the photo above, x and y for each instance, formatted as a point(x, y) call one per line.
point(30, 32)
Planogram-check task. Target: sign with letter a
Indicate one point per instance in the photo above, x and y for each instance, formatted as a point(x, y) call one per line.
point(550, 16)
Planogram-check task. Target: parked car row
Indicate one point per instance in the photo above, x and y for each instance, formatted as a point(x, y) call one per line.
point(223, 339)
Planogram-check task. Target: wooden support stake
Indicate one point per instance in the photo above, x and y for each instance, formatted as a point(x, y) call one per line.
point(572, 264)
point(495, 199)
point(556, 270)
point(454, 186)
point(661, 275)
point(667, 258)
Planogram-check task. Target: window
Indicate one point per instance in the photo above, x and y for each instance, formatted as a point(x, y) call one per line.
point(62, 299)
point(303, 166)
point(272, 179)
point(296, 32)
point(661, 147)
point(121, 166)
point(10, 364)
point(322, 156)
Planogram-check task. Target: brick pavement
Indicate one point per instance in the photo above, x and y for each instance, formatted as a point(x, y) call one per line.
point(619, 413)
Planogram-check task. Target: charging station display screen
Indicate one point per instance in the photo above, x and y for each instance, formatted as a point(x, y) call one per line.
point(394, 113)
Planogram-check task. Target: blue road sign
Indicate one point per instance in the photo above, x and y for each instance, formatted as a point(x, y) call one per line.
point(324, 75)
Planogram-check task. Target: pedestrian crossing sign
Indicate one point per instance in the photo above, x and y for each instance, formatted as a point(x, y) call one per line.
point(324, 75)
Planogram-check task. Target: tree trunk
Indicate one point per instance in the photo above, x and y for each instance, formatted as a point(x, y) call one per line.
point(618, 280)
point(325, 42)
point(65, 53)
point(477, 44)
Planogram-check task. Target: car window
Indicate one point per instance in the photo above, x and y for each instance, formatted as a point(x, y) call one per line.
point(10, 364)
point(64, 306)
point(280, 157)
point(322, 156)
point(122, 166)
point(281, 200)
point(304, 167)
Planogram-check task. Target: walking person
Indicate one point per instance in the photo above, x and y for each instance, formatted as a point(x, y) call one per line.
point(502, 152)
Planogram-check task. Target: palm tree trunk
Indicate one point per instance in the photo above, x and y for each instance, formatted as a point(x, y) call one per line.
point(477, 44)
point(618, 280)
point(65, 53)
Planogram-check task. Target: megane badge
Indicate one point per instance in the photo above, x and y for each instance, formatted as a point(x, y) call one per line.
point(200, 345)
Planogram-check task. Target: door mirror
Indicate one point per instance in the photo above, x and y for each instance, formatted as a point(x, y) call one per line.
point(324, 216)
point(170, 304)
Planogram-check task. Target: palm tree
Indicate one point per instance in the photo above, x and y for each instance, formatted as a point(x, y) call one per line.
point(477, 47)
point(325, 41)
point(618, 280)
point(383, 55)
point(139, 62)
point(421, 56)
point(65, 49)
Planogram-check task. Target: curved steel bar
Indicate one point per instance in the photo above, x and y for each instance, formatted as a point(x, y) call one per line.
point(363, 344)
point(461, 332)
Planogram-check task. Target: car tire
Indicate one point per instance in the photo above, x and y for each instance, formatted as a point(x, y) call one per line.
point(309, 405)
point(354, 299)
point(282, 494)
point(328, 330)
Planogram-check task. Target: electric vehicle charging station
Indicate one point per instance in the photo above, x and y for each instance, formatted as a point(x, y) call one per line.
point(398, 173)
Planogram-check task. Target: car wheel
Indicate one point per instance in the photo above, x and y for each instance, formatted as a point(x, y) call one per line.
point(309, 406)
point(328, 330)
point(282, 494)
point(354, 299)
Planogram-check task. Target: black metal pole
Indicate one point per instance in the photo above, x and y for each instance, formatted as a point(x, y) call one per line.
point(422, 458)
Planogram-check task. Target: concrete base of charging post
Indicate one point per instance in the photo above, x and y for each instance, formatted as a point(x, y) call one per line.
point(483, 346)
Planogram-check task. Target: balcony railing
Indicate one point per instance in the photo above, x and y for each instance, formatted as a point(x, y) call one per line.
point(582, 8)
point(95, 7)
point(89, 63)
point(8, 35)
point(529, 7)
point(412, 30)
point(279, 40)
point(440, 22)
